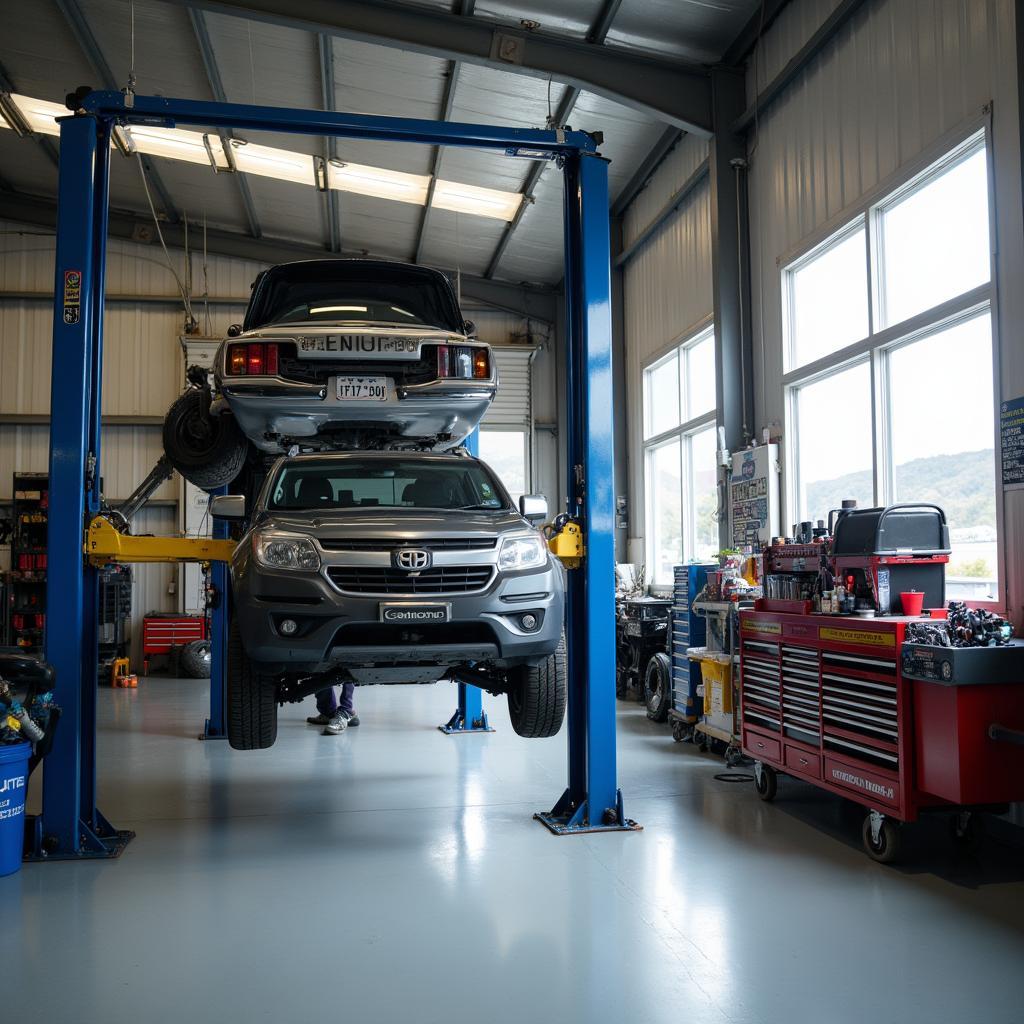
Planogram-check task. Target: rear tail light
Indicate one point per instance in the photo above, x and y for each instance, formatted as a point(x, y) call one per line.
point(463, 362)
point(253, 359)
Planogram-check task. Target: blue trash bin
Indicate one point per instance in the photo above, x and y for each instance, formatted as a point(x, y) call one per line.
point(13, 787)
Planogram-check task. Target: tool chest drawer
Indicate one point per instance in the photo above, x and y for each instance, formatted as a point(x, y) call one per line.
point(762, 746)
point(803, 761)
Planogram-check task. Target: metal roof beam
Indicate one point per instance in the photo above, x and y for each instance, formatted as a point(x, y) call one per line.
point(798, 63)
point(670, 90)
point(536, 300)
point(83, 34)
point(46, 145)
point(759, 22)
point(332, 201)
point(198, 20)
point(645, 171)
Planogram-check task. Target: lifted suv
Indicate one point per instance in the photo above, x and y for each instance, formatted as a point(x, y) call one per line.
point(391, 567)
point(334, 353)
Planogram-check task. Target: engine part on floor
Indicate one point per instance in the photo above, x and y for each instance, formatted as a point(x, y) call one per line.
point(641, 632)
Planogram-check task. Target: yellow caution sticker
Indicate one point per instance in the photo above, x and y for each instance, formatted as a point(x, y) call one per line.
point(863, 637)
point(755, 626)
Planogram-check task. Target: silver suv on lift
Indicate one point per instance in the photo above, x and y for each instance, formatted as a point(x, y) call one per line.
point(391, 567)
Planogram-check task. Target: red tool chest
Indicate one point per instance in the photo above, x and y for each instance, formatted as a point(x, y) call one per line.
point(823, 699)
point(162, 632)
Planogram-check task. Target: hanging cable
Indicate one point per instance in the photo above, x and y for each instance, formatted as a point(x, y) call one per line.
point(206, 282)
point(129, 89)
point(189, 319)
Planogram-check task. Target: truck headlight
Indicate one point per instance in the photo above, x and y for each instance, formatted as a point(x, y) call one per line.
point(285, 551)
point(522, 552)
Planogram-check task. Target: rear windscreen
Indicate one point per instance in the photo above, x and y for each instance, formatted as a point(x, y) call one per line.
point(329, 291)
point(387, 483)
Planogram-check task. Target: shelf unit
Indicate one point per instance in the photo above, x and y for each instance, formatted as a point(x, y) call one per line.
point(26, 591)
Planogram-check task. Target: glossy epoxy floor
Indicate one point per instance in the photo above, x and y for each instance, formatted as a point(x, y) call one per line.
point(395, 875)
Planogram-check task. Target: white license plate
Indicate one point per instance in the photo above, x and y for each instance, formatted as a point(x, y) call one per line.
point(362, 389)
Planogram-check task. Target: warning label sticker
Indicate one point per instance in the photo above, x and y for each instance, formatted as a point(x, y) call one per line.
point(864, 637)
point(753, 626)
point(72, 296)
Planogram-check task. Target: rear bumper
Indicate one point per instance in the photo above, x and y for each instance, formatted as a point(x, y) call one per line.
point(338, 631)
point(286, 409)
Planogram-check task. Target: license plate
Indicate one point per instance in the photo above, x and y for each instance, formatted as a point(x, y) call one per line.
point(362, 389)
point(415, 614)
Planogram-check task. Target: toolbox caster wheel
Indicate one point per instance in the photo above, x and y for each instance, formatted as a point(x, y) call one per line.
point(766, 782)
point(886, 847)
point(702, 743)
point(678, 731)
point(732, 756)
point(965, 830)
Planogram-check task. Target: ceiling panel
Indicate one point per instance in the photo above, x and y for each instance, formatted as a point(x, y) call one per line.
point(698, 30)
point(535, 251)
point(459, 241)
point(572, 17)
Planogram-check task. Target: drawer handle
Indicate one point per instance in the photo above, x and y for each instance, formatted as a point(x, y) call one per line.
point(804, 762)
point(760, 746)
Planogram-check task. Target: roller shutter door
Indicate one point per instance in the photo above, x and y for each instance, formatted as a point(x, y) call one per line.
point(511, 407)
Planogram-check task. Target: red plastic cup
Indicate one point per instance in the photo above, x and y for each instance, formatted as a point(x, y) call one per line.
point(912, 601)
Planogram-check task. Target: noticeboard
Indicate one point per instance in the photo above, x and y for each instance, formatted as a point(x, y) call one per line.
point(1011, 442)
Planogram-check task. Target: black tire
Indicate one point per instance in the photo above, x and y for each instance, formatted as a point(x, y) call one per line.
point(658, 687)
point(195, 659)
point(252, 702)
point(768, 785)
point(890, 840)
point(536, 696)
point(208, 451)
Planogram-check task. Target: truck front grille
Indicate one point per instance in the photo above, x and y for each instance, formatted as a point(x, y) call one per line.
point(446, 579)
point(428, 544)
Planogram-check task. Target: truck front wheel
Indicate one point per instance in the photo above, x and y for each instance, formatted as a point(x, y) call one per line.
point(252, 700)
point(537, 694)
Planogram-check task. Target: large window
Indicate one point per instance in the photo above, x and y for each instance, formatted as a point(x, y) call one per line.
point(505, 451)
point(889, 375)
point(679, 457)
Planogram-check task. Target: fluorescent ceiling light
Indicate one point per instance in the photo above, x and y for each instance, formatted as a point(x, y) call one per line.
point(40, 114)
point(269, 162)
point(176, 144)
point(484, 202)
point(378, 182)
point(337, 309)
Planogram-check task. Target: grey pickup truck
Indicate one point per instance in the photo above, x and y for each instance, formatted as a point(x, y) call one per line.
point(391, 567)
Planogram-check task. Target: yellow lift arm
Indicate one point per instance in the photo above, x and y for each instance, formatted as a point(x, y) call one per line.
point(104, 544)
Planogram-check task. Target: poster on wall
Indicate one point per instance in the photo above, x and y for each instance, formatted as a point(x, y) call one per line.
point(1011, 442)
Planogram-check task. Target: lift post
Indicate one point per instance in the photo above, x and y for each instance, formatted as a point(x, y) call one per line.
point(70, 825)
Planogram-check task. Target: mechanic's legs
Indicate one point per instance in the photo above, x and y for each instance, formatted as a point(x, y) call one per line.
point(348, 695)
point(326, 704)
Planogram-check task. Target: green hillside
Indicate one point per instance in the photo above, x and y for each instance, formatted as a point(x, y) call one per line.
point(963, 485)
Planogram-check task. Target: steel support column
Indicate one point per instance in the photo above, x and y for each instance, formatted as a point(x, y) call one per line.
point(730, 256)
point(70, 825)
point(469, 715)
point(592, 801)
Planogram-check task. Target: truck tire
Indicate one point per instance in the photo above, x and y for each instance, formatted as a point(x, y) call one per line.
point(195, 659)
point(208, 451)
point(252, 702)
point(658, 687)
point(537, 694)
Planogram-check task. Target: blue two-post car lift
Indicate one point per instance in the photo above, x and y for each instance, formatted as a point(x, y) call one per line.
point(71, 825)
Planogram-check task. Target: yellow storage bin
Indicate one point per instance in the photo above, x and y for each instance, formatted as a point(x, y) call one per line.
point(717, 679)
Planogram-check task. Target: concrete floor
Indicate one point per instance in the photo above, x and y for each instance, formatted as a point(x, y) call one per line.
point(394, 874)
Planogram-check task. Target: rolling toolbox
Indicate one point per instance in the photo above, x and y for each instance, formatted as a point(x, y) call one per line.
point(688, 630)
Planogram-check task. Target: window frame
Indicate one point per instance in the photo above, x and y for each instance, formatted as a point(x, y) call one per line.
point(684, 433)
point(881, 342)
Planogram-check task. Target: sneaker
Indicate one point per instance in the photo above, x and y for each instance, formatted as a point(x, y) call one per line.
point(353, 719)
point(318, 719)
point(337, 724)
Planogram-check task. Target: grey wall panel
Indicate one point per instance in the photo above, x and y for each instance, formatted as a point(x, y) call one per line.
point(898, 78)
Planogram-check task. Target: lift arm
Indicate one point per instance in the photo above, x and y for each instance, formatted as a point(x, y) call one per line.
point(104, 544)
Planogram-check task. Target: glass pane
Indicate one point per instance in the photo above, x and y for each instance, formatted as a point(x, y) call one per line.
point(661, 396)
point(834, 442)
point(935, 242)
point(665, 547)
point(699, 374)
point(949, 459)
point(704, 495)
point(505, 452)
point(830, 300)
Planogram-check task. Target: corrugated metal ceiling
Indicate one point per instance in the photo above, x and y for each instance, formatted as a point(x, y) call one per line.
point(272, 64)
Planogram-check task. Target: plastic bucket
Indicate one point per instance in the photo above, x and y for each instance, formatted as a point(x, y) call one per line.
point(13, 786)
point(912, 601)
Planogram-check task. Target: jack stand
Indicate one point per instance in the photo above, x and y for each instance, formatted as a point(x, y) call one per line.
point(566, 820)
point(471, 710)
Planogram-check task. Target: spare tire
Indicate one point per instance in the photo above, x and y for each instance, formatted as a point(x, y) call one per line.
point(195, 659)
point(658, 687)
point(208, 451)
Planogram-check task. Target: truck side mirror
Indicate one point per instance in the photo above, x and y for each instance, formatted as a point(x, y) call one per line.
point(533, 507)
point(228, 506)
point(469, 328)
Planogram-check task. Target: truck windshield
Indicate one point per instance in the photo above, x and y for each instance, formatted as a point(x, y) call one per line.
point(361, 483)
point(353, 292)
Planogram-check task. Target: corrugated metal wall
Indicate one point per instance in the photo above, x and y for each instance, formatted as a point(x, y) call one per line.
point(143, 371)
point(667, 292)
point(897, 79)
